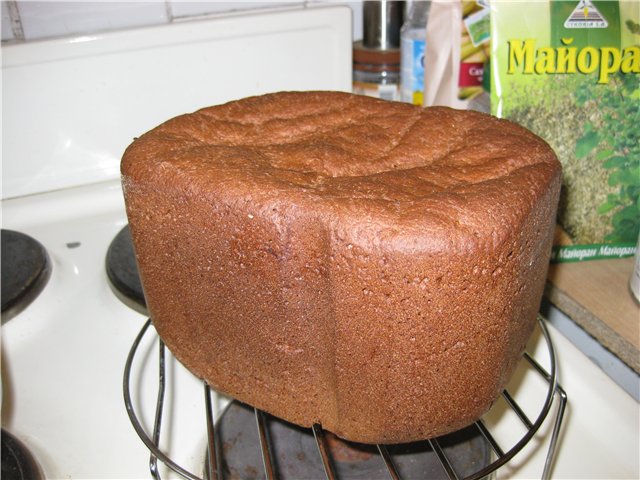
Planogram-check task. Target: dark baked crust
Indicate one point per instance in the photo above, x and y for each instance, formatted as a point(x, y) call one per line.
point(371, 266)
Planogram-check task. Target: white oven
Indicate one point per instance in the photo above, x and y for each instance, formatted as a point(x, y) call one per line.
point(70, 107)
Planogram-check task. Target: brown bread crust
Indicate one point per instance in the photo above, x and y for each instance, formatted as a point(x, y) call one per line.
point(371, 266)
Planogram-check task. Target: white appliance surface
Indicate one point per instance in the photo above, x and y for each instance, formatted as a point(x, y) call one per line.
point(84, 99)
point(63, 356)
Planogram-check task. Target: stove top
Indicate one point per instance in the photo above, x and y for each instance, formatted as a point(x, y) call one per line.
point(63, 361)
point(295, 452)
point(25, 270)
point(17, 461)
point(62, 356)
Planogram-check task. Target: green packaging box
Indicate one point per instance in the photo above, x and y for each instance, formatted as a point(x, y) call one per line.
point(569, 71)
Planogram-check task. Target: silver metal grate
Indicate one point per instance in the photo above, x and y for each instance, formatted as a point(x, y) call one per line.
point(213, 467)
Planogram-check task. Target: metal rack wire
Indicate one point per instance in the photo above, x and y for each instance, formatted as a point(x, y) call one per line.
point(214, 471)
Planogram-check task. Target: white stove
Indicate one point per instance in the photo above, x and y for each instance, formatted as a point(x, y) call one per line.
point(70, 107)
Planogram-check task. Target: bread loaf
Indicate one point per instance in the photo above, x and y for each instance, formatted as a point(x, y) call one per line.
point(374, 267)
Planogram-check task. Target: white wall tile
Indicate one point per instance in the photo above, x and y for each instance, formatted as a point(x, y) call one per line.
point(185, 8)
point(42, 19)
point(46, 18)
point(7, 31)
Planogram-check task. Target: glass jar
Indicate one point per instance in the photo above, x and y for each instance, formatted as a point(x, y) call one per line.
point(376, 73)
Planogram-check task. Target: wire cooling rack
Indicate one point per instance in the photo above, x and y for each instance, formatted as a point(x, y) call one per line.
point(213, 464)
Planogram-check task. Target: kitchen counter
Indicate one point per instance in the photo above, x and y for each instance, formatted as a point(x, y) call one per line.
point(596, 296)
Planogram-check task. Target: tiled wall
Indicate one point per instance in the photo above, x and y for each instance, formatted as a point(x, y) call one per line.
point(27, 20)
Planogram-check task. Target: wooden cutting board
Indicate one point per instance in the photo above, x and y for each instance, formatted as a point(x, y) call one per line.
point(596, 295)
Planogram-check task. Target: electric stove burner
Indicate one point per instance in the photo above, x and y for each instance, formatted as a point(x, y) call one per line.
point(25, 271)
point(295, 452)
point(122, 271)
point(17, 461)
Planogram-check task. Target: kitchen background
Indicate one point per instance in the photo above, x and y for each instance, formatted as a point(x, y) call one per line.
point(25, 21)
point(34, 20)
point(598, 412)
